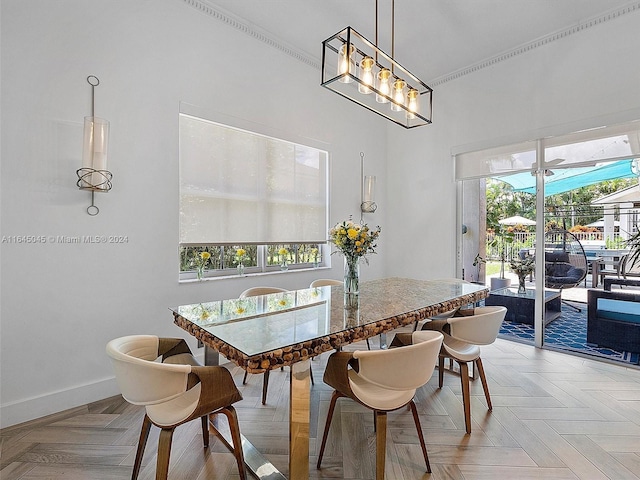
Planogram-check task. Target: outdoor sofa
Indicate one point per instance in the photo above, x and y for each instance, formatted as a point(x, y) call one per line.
point(613, 319)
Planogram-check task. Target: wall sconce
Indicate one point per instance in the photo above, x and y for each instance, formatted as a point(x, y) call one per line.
point(367, 194)
point(94, 175)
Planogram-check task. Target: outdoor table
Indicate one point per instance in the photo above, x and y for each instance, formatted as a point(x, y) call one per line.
point(269, 331)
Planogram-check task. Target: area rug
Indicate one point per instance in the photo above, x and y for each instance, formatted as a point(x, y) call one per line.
point(568, 332)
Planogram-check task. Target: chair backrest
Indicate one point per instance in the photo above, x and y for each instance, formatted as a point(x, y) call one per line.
point(481, 328)
point(143, 381)
point(562, 246)
point(404, 368)
point(255, 291)
point(324, 282)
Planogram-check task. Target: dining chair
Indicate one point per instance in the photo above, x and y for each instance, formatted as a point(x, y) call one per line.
point(325, 282)
point(254, 292)
point(381, 381)
point(442, 317)
point(462, 344)
point(174, 391)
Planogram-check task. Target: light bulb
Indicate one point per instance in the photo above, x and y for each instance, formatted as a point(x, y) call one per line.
point(398, 95)
point(346, 63)
point(412, 103)
point(366, 76)
point(383, 85)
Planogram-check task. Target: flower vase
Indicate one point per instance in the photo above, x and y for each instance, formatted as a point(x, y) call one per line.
point(241, 269)
point(351, 275)
point(283, 266)
point(200, 272)
point(521, 287)
point(351, 310)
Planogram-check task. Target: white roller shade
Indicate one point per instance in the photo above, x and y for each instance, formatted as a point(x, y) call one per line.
point(240, 187)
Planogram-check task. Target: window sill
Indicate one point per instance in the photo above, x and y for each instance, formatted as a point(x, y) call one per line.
point(253, 274)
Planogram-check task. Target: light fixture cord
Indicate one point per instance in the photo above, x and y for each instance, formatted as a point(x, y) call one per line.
point(361, 186)
point(377, 31)
point(393, 28)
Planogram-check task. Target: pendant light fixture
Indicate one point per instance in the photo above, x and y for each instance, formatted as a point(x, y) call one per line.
point(360, 71)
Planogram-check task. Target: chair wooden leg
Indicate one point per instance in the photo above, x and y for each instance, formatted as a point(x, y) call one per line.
point(244, 379)
point(440, 371)
point(265, 386)
point(466, 397)
point(416, 420)
point(164, 451)
point(205, 430)
point(142, 442)
point(234, 427)
point(381, 443)
point(483, 379)
point(332, 405)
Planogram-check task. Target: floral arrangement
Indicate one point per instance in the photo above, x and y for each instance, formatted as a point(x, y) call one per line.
point(523, 267)
point(241, 254)
point(200, 261)
point(283, 252)
point(354, 240)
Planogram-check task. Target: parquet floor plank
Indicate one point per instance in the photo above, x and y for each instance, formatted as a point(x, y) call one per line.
point(555, 417)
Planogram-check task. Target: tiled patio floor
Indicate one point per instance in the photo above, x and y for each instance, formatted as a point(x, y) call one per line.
point(569, 331)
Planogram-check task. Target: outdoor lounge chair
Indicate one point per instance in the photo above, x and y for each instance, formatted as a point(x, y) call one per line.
point(565, 261)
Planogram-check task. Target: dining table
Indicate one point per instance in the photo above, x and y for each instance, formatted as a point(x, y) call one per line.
point(290, 328)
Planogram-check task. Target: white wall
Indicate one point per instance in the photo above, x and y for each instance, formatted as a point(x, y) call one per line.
point(584, 80)
point(61, 303)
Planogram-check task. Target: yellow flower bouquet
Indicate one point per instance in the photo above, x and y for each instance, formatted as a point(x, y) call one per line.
point(283, 252)
point(354, 241)
point(241, 254)
point(200, 261)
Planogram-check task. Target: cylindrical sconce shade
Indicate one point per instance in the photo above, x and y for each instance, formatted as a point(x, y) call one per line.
point(369, 188)
point(94, 155)
point(368, 194)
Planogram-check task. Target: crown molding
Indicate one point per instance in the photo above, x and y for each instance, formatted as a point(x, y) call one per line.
point(545, 40)
point(253, 31)
point(262, 35)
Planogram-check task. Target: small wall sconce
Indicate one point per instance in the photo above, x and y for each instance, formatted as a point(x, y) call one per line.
point(367, 194)
point(94, 175)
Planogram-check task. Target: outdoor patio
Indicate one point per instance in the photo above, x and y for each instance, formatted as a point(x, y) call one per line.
point(569, 331)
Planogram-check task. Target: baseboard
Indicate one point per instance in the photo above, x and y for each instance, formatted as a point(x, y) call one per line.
point(28, 409)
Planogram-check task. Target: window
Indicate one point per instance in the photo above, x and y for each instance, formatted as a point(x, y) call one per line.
point(240, 189)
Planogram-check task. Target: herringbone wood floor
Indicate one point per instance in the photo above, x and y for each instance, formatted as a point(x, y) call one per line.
point(555, 416)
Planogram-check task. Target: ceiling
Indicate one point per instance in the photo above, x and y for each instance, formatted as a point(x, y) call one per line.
point(433, 38)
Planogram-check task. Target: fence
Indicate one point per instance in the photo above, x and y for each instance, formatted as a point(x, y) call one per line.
point(527, 240)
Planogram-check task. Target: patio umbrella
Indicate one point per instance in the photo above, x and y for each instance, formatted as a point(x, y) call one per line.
point(517, 220)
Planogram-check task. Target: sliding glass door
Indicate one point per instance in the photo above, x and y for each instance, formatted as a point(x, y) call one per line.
point(543, 222)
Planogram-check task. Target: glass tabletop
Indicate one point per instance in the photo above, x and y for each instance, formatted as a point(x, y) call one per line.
point(265, 323)
point(529, 294)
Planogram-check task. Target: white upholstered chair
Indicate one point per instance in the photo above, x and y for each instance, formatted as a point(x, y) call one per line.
point(255, 291)
point(325, 282)
point(174, 391)
point(462, 345)
point(383, 380)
